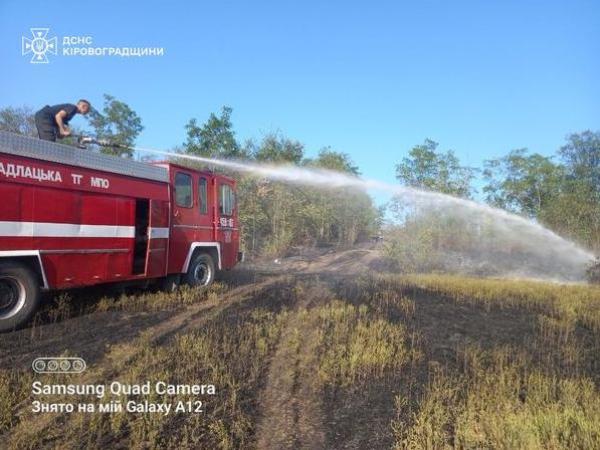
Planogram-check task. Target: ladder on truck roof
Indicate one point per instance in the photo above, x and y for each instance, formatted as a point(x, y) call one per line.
point(16, 144)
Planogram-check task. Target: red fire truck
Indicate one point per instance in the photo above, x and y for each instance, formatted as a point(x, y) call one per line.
point(72, 218)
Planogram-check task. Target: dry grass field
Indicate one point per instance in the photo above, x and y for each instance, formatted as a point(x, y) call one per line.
point(322, 352)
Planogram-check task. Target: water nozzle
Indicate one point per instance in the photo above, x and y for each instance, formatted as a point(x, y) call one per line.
point(82, 142)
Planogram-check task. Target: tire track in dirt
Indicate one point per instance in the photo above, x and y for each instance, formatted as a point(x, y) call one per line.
point(291, 411)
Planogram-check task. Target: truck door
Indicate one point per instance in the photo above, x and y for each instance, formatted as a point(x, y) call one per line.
point(205, 213)
point(227, 224)
point(183, 220)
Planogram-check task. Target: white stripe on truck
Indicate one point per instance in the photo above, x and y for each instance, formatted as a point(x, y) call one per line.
point(158, 233)
point(64, 230)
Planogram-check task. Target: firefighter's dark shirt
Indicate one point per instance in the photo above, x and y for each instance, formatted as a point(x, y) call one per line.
point(50, 112)
point(45, 120)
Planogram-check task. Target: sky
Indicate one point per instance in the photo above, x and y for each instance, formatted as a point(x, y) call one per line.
point(371, 79)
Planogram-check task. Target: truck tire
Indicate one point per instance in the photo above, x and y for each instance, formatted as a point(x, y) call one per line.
point(19, 295)
point(201, 271)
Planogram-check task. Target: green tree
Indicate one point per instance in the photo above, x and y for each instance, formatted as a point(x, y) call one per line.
point(215, 138)
point(563, 195)
point(339, 216)
point(521, 182)
point(280, 204)
point(277, 216)
point(579, 213)
point(275, 148)
point(581, 155)
point(332, 160)
point(116, 123)
point(18, 120)
point(428, 168)
point(420, 235)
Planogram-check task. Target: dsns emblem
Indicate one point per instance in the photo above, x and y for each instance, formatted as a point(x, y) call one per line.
point(39, 45)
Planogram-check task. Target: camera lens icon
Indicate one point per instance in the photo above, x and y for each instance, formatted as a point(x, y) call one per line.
point(39, 365)
point(78, 365)
point(59, 365)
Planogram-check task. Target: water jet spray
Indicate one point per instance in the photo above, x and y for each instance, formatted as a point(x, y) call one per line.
point(565, 259)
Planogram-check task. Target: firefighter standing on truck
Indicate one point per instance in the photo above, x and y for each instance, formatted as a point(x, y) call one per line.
point(51, 121)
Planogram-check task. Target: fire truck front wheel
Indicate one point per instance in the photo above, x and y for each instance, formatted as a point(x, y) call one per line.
point(19, 295)
point(201, 271)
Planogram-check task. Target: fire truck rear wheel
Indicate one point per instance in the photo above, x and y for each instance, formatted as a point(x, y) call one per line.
point(201, 271)
point(19, 295)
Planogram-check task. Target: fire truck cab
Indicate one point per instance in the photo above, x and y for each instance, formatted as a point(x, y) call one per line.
point(72, 218)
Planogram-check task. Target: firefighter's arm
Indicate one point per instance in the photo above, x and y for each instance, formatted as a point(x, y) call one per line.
point(62, 128)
